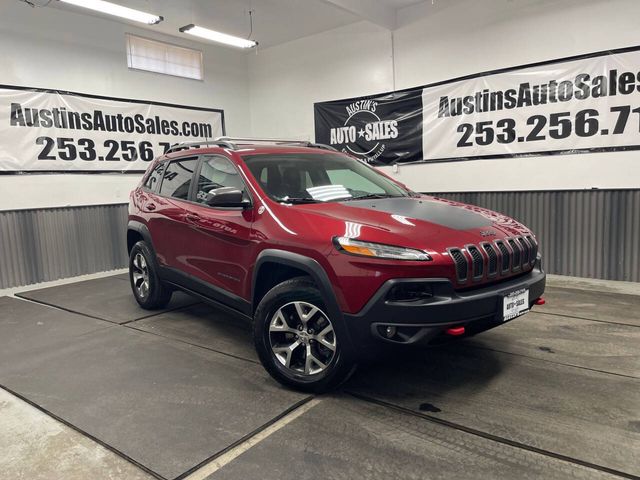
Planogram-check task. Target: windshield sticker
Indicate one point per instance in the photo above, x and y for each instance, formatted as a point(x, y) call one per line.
point(326, 193)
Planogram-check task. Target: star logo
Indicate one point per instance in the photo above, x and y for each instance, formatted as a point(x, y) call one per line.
point(361, 133)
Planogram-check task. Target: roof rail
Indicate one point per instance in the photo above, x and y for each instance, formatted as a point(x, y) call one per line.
point(323, 146)
point(277, 141)
point(246, 140)
point(231, 143)
point(186, 145)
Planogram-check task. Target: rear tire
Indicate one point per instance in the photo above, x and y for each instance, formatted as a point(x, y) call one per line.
point(148, 289)
point(297, 342)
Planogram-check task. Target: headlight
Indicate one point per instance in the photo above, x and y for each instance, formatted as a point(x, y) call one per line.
point(378, 250)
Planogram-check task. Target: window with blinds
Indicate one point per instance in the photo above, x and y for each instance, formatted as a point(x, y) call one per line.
point(160, 57)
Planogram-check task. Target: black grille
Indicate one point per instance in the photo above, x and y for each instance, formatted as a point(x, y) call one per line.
point(534, 249)
point(526, 251)
point(493, 258)
point(478, 261)
point(506, 256)
point(515, 264)
point(461, 264)
point(502, 256)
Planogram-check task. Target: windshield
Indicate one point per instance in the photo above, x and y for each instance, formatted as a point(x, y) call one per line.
point(319, 177)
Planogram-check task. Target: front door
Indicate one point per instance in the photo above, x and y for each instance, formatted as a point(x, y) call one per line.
point(220, 246)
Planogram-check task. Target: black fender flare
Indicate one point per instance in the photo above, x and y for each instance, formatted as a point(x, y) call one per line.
point(142, 229)
point(307, 265)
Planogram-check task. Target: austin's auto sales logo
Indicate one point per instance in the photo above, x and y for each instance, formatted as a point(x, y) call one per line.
point(364, 132)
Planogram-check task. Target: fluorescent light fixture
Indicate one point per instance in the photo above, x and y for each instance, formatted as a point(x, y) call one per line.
point(116, 10)
point(218, 36)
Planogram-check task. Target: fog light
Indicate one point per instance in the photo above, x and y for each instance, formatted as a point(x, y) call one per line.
point(410, 292)
point(390, 331)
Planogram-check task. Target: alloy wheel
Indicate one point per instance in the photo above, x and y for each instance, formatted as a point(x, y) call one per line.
point(140, 275)
point(302, 338)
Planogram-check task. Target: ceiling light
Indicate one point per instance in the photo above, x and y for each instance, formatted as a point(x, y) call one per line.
point(117, 10)
point(218, 37)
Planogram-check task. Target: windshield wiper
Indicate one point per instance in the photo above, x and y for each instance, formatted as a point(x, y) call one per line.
point(374, 195)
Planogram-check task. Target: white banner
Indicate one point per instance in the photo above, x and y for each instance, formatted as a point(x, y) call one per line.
point(574, 106)
point(62, 131)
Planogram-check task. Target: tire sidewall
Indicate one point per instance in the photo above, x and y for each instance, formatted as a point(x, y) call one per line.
point(299, 289)
point(158, 296)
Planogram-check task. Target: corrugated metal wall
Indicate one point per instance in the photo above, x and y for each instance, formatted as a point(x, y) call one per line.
point(591, 233)
point(42, 245)
point(587, 233)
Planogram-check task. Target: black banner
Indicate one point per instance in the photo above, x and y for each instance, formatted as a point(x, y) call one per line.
point(583, 104)
point(381, 129)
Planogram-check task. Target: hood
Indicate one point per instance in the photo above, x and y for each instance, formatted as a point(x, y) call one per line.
point(422, 222)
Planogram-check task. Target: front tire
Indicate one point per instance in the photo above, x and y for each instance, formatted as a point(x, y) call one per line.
point(296, 340)
point(148, 289)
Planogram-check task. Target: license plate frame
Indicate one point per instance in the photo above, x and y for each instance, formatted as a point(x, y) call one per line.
point(515, 303)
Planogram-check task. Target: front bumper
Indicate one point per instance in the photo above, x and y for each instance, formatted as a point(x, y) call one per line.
point(425, 320)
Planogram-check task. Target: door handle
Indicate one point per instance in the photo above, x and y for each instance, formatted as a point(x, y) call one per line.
point(151, 207)
point(193, 217)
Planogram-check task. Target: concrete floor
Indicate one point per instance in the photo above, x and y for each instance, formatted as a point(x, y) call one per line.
point(93, 387)
point(35, 446)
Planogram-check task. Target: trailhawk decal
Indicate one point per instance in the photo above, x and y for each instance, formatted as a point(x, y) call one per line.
point(583, 104)
point(450, 216)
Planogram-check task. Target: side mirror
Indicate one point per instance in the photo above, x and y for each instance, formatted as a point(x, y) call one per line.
point(226, 197)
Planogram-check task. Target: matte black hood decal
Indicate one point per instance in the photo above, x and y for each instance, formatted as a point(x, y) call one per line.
point(422, 209)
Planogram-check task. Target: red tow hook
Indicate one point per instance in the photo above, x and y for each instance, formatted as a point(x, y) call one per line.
point(455, 331)
point(540, 301)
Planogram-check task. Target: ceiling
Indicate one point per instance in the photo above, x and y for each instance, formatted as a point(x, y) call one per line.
point(274, 21)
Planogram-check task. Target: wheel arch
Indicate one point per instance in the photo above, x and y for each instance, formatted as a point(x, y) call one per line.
point(296, 264)
point(137, 231)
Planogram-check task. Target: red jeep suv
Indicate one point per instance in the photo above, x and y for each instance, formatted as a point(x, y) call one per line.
point(328, 257)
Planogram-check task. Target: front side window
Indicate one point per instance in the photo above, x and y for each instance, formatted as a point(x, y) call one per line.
point(217, 172)
point(177, 178)
point(317, 177)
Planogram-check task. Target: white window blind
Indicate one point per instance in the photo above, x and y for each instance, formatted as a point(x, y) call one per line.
point(160, 57)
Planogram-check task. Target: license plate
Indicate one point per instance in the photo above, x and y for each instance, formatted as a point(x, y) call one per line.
point(515, 304)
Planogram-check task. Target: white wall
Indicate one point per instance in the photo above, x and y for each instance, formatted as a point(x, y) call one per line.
point(272, 93)
point(287, 79)
point(50, 48)
point(438, 42)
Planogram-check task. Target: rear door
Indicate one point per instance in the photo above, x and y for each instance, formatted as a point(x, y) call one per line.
point(167, 211)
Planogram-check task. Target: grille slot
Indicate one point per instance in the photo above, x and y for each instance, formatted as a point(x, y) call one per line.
point(506, 256)
point(515, 264)
point(534, 249)
point(526, 251)
point(462, 266)
point(493, 258)
point(478, 261)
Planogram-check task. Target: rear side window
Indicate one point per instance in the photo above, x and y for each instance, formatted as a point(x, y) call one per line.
point(155, 177)
point(177, 178)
